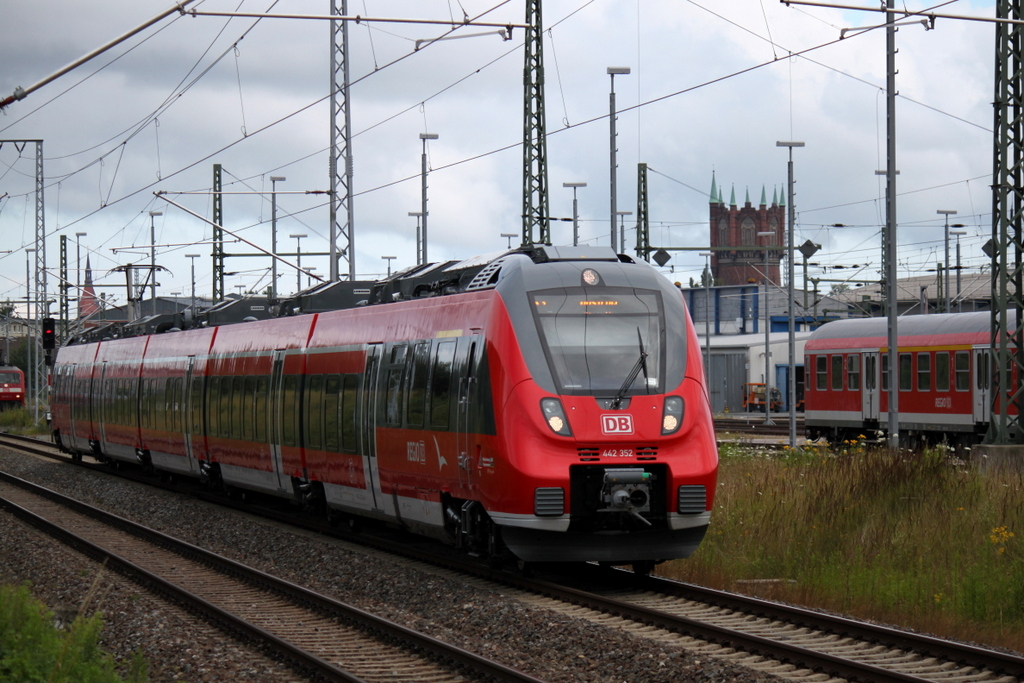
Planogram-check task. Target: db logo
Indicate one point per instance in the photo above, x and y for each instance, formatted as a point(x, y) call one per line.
point(617, 424)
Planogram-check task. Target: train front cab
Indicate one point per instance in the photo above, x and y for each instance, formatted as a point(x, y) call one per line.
point(12, 388)
point(587, 476)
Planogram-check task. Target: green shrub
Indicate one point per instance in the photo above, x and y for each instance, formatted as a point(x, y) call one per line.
point(33, 649)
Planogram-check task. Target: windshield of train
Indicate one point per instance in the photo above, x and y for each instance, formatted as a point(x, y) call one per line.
point(9, 378)
point(595, 339)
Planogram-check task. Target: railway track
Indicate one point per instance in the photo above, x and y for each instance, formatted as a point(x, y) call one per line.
point(327, 638)
point(788, 642)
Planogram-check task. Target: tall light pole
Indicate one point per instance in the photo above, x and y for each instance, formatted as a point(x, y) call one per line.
point(298, 262)
point(78, 270)
point(423, 180)
point(389, 259)
point(274, 180)
point(946, 303)
point(193, 257)
point(622, 229)
point(509, 236)
point(614, 71)
point(707, 318)
point(959, 303)
point(767, 341)
point(791, 272)
point(419, 238)
point(152, 255)
point(33, 352)
point(575, 212)
point(892, 290)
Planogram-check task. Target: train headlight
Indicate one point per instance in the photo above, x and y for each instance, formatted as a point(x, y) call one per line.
point(555, 416)
point(672, 415)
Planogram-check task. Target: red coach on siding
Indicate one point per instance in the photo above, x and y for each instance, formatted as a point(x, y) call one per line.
point(943, 378)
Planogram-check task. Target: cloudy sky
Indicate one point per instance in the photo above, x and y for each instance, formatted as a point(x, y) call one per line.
point(713, 86)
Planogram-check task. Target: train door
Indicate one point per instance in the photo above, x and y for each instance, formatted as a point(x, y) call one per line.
point(191, 413)
point(74, 385)
point(282, 409)
point(463, 422)
point(367, 420)
point(106, 397)
point(870, 398)
point(981, 381)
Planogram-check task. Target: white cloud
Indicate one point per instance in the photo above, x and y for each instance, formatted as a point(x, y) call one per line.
point(672, 47)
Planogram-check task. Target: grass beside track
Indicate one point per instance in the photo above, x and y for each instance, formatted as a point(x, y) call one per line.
point(922, 540)
point(22, 421)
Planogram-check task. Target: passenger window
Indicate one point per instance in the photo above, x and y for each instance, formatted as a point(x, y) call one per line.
point(962, 361)
point(289, 399)
point(260, 409)
point(213, 405)
point(393, 396)
point(248, 402)
point(332, 413)
point(314, 411)
point(885, 371)
point(237, 415)
point(440, 384)
point(418, 384)
point(942, 371)
point(906, 372)
point(837, 372)
point(853, 372)
point(349, 400)
point(924, 372)
point(821, 373)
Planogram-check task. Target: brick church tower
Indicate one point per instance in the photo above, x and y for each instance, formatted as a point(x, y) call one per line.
point(738, 250)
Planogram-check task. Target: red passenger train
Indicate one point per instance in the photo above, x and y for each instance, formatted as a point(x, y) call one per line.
point(12, 387)
point(943, 370)
point(552, 403)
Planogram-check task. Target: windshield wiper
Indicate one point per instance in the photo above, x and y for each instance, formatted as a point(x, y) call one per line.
point(641, 364)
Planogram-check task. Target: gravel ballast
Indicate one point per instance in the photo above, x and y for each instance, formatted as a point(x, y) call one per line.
point(181, 647)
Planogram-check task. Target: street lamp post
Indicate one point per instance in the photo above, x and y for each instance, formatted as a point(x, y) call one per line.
point(32, 353)
point(274, 180)
point(152, 255)
point(767, 341)
point(622, 229)
point(946, 302)
point(193, 257)
point(298, 262)
point(575, 212)
point(613, 71)
point(958, 233)
point(423, 180)
point(389, 259)
point(707, 317)
point(791, 272)
point(419, 238)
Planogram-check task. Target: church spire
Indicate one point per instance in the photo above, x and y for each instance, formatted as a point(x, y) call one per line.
point(714, 189)
point(764, 197)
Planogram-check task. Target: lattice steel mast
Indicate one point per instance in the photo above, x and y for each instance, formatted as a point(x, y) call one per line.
point(341, 149)
point(535, 149)
point(1007, 239)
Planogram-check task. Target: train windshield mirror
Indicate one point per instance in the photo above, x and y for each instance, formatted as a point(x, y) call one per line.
point(591, 337)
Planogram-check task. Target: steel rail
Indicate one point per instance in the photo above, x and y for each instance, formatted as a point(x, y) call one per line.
point(360, 618)
point(1007, 664)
